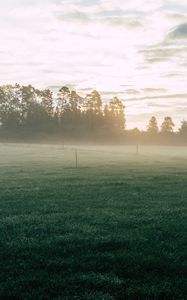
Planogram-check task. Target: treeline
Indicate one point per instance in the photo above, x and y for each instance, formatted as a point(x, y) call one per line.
point(30, 109)
point(164, 134)
point(27, 112)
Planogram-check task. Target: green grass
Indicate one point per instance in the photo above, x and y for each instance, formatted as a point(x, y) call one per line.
point(115, 228)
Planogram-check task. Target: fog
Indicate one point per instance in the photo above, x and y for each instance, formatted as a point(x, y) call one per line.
point(89, 155)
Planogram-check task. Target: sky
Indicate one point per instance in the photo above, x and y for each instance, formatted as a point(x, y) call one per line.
point(136, 50)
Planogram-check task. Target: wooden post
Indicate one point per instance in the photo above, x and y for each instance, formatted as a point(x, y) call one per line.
point(76, 159)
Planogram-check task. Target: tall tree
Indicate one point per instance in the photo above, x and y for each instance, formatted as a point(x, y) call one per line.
point(152, 127)
point(10, 109)
point(94, 102)
point(75, 101)
point(28, 98)
point(93, 109)
point(167, 125)
point(47, 101)
point(62, 104)
point(183, 130)
point(107, 116)
point(75, 109)
point(117, 108)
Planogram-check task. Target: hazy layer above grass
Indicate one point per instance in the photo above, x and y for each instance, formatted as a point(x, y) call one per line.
point(114, 228)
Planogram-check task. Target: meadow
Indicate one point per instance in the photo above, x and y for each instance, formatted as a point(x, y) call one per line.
point(112, 228)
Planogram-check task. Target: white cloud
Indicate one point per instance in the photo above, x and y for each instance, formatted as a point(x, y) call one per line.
point(98, 43)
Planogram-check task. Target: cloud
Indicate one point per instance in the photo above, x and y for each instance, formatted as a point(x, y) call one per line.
point(122, 21)
point(161, 105)
point(154, 90)
point(73, 16)
point(178, 17)
point(132, 91)
point(172, 49)
point(180, 32)
point(171, 96)
point(136, 5)
point(162, 52)
point(104, 16)
point(173, 75)
point(134, 49)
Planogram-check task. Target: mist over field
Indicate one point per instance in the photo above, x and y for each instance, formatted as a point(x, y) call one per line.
point(93, 150)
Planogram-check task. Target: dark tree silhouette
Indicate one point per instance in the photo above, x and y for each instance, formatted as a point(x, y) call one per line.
point(183, 130)
point(152, 127)
point(30, 111)
point(167, 125)
point(117, 115)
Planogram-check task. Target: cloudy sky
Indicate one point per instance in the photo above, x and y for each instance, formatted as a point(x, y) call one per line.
point(136, 50)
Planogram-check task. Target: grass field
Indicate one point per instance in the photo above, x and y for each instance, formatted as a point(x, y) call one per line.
point(114, 228)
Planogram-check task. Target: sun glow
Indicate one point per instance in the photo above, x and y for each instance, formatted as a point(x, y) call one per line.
point(112, 46)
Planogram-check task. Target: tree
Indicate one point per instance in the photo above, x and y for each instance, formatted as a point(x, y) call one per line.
point(93, 109)
point(10, 108)
point(152, 127)
point(28, 98)
point(47, 101)
point(183, 129)
point(75, 109)
point(69, 107)
point(167, 125)
point(22, 106)
point(62, 105)
point(116, 108)
point(107, 116)
point(75, 101)
point(94, 102)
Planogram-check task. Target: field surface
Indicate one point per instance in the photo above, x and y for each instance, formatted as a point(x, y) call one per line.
point(112, 228)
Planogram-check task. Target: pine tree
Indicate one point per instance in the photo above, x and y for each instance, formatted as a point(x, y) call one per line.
point(152, 127)
point(167, 125)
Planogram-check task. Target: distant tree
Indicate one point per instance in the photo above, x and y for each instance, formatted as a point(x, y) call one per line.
point(29, 110)
point(117, 113)
point(75, 101)
point(93, 110)
point(75, 109)
point(107, 116)
point(183, 130)
point(134, 135)
point(28, 100)
point(37, 117)
point(47, 101)
point(69, 108)
point(94, 102)
point(10, 107)
point(63, 99)
point(152, 127)
point(62, 105)
point(22, 106)
point(167, 125)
